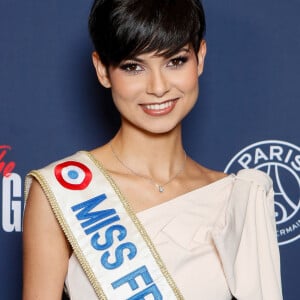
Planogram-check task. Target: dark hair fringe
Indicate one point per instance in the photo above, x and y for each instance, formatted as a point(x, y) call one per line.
point(122, 29)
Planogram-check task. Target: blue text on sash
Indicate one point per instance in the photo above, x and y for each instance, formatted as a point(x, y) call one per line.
point(92, 222)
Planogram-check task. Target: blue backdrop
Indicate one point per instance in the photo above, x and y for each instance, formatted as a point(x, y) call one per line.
point(247, 114)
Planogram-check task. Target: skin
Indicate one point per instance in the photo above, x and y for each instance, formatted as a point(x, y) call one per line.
point(149, 141)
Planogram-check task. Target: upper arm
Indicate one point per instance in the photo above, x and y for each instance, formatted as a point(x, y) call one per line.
point(45, 249)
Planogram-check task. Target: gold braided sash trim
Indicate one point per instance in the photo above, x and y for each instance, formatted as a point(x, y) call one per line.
point(69, 198)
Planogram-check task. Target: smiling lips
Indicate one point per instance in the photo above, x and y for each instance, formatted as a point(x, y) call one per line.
point(159, 109)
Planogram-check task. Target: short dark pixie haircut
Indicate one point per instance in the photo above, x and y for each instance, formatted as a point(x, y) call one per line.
point(124, 29)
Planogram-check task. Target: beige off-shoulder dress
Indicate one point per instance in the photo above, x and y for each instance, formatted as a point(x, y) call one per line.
point(216, 241)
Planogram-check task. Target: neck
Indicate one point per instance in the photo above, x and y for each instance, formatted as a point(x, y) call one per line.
point(155, 155)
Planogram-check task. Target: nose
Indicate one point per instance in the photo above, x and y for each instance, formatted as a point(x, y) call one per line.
point(158, 83)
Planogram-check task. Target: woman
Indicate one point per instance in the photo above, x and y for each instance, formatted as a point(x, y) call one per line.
point(137, 217)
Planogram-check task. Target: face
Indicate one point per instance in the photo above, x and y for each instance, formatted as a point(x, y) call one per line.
point(154, 93)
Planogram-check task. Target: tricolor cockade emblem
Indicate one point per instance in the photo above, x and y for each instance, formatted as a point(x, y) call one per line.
point(73, 175)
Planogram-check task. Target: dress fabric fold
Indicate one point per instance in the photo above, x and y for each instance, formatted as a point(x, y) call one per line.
point(246, 239)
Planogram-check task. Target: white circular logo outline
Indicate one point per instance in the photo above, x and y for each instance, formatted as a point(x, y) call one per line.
point(257, 144)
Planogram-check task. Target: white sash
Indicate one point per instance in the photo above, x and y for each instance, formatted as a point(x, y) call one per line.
point(110, 243)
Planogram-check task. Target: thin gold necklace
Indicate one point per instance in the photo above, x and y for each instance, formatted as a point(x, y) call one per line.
point(160, 187)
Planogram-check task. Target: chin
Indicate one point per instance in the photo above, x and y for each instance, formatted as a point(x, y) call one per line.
point(160, 130)
point(154, 127)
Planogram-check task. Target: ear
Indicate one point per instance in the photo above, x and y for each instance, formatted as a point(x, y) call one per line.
point(101, 70)
point(201, 56)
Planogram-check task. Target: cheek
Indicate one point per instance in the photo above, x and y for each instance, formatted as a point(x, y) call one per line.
point(125, 87)
point(188, 81)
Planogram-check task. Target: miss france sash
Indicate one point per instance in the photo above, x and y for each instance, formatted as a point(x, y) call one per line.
point(110, 243)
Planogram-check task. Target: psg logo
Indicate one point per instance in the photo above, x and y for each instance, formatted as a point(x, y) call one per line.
point(281, 161)
point(73, 175)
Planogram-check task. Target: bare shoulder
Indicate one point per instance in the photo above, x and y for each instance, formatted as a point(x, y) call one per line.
point(103, 155)
point(213, 175)
point(45, 249)
point(37, 207)
point(205, 174)
point(38, 215)
point(198, 176)
point(101, 152)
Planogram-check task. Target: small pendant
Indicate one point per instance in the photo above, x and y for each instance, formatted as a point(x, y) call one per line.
point(160, 188)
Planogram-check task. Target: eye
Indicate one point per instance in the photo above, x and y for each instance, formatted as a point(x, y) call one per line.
point(177, 61)
point(131, 67)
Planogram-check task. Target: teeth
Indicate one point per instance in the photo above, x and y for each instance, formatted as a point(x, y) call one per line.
point(159, 106)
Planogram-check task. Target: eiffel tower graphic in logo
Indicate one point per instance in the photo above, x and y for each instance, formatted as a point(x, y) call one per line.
point(287, 204)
